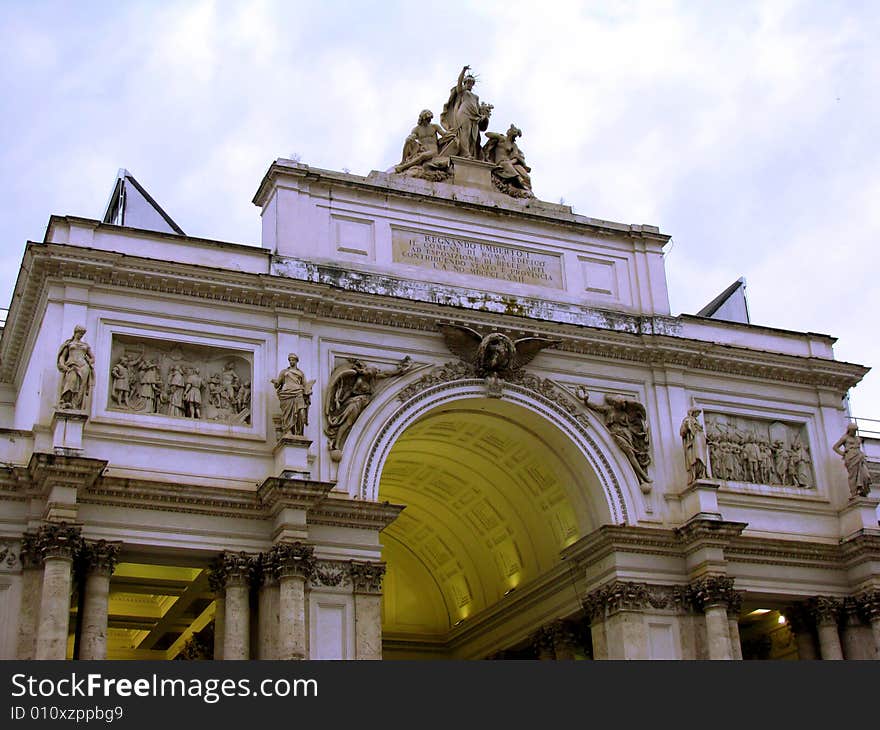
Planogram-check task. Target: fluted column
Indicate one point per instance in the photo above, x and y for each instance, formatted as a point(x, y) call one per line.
point(734, 604)
point(99, 562)
point(366, 579)
point(267, 618)
point(217, 583)
point(870, 601)
point(826, 612)
point(712, 595)
point(31, 585)
point(237, 616)
point(800, 622)
point(296, 563)
point(58, 544)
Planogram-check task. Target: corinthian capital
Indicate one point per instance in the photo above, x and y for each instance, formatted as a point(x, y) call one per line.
point(295, 559)
point(58, 540)
point(825, 610)
point(367, 577)
point(713, 590)
point(100, 556)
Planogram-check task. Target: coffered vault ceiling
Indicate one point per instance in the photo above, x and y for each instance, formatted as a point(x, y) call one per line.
point(493, 492)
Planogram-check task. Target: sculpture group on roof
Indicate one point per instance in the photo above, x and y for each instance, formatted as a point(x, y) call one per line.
point(429, 146)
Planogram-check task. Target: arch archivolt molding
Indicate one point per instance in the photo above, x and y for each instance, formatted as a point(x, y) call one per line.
point(385, 420)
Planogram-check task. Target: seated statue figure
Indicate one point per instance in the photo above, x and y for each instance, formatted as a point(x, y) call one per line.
point(422, 146)
point(510, 163)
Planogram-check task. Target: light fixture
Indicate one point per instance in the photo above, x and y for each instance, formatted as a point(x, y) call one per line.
point(458, 623)
point(509, 591)
point(759, 611)
point(781, 619)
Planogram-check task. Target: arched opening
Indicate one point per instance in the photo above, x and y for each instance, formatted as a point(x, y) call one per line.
point(493, 492)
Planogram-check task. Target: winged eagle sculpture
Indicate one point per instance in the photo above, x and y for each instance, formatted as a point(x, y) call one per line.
point(495, 355)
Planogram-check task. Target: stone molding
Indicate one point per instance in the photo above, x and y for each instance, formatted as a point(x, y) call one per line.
point(8, 555)
point(366, 577)
point(331, 574)
point(100, 556)
point(609, 337)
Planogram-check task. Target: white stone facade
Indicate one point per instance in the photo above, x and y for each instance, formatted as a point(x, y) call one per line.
point(504, 513)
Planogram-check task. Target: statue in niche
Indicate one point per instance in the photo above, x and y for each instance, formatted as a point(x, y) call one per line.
point(349, 392)
point(627, 421)
point(176, 388)
point(693, 439)
point(120, 375)
point(465, 118)
point(295, 396)
point(77, 364)
point(510, 170)
point(192, 394)
point(421, 150)
point(849, 446)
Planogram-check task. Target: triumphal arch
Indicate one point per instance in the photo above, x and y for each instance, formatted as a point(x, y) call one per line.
point(432, 417)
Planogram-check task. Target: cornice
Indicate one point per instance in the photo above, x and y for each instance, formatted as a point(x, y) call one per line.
point(643, 340)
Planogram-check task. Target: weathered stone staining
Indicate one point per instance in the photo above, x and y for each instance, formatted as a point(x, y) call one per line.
point(295, 396)
point(350, 389)
point(849, 446)
point(627, 421)
point(430, 150)
point(76, 363)
point(755, 451)
point(152, 377)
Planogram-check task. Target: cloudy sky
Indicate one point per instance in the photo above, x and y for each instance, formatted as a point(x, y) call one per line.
point(746, 130)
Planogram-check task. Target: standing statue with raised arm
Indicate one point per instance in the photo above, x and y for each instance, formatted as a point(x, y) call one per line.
point(465, 117)
point(693, 439)
point(627, 422)
point(295, 396)
point(77, 364)
point(849, 446)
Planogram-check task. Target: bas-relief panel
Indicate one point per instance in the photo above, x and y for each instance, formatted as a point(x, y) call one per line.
point(188, 381)
point(758, 451)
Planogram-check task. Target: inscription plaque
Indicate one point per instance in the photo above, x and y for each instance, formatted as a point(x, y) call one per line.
point(476, 258)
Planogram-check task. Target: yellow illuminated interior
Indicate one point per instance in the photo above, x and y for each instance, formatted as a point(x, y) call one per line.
point(488, 492)
point(154, 610)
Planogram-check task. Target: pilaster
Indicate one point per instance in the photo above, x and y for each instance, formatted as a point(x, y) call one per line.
point(366, 579)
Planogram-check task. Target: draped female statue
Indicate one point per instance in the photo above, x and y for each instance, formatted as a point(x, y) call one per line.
point(77, 363)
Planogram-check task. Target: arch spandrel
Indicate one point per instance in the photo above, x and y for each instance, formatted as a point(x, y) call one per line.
point(603, 489)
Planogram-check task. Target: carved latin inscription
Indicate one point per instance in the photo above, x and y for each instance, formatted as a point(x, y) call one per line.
point(181, 380)
point(474, 258)
point(757, 451)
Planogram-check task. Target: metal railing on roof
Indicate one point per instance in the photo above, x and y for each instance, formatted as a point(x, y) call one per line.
point(867, 426)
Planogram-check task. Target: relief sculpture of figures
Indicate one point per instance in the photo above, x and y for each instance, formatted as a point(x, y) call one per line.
point(749, 450)
point(349, 392)
point(179, 380)
point(510, 168)
point(849, 446)
point(295, 396)
point(627, 421)
point(693, 439)
point(77, 364)
point(465, 117)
